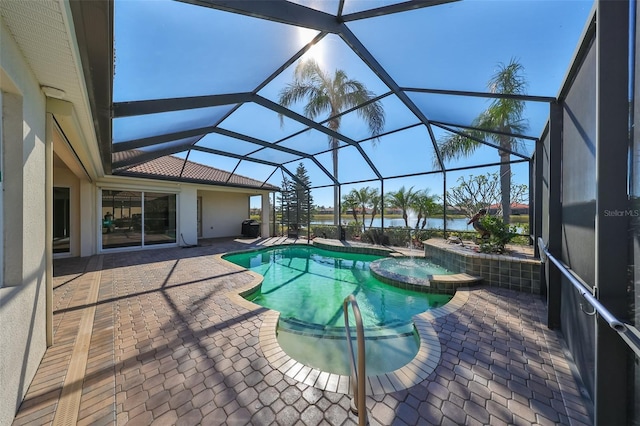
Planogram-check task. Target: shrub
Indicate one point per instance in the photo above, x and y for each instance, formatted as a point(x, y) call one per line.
point(501, 234)
point(398, 237)
point(352, 230)
point(375, 236)
point(325, 231)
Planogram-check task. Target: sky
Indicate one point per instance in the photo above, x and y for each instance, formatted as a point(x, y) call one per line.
point(168, 49)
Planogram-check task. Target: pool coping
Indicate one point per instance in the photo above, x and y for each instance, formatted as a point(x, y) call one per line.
point(416, 371)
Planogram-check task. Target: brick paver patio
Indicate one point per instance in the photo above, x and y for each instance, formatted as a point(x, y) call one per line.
point(168, 346)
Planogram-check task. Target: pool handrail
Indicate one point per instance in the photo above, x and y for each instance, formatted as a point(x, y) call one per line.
point(610, 319)
point(358, 376)
point(629, 333)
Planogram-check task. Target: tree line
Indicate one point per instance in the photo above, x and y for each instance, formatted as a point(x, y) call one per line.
point(367, 199)
point(472, 193)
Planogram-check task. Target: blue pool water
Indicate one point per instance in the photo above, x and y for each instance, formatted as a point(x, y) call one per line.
point(308, 285)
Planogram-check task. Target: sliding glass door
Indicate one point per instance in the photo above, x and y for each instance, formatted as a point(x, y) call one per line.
point(137, 219)
point(159, 218)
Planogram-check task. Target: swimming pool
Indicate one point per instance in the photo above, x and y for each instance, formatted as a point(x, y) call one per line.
point(307, 285)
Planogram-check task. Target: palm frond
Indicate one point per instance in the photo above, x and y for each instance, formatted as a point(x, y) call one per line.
point(317, 104)
point(454, 147)
point(331, 94)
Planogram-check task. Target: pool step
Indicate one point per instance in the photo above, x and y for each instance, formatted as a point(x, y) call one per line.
point(392, 329)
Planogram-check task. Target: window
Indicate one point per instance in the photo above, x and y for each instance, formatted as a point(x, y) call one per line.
point(61, 221)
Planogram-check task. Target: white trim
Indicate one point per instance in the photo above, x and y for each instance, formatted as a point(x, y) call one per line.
point(137, 185)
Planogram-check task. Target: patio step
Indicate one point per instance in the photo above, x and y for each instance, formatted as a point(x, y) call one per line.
point(392, 329)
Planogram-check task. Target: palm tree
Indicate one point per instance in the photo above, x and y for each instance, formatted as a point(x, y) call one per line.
point(350, 202)
point(377, 204)
point(425, 205)
point(503, 115)
point(365, 196)
point(402, 199)
point(363, 199)
point(330, 96)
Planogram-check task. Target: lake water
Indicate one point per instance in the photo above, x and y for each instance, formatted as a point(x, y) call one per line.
point(456, 224)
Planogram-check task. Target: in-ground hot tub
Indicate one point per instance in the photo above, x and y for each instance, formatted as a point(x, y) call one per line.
point(517, 270)
point(420, 274)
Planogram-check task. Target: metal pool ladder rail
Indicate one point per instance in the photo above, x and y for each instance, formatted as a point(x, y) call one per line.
point(358, 404)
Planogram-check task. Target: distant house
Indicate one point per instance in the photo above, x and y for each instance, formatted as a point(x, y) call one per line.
point(516, 208)
point(455, 210)
point(324, 210)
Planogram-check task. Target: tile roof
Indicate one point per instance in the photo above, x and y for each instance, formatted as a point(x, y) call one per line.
point(171, 168)
point(513, 206)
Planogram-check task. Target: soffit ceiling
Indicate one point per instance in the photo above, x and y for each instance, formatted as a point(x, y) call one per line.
point(45, 34)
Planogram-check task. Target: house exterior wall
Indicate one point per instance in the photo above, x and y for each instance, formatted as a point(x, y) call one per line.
point(22, 291)
point(223, 213)
point(223, 209)
point(187, 216)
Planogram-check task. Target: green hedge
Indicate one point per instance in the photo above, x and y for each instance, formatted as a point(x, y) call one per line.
point(397, 237)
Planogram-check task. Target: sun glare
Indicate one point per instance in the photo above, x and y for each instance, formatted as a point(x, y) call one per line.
point(316, 52)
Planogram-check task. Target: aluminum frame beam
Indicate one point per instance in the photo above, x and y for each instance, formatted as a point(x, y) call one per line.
point(245, 138)
point(530, 98)
point(393, 8)
point(133, 108)
point(497, 132)
point(312, 124)
point(480, 141)
point(148, 156)
point(612, 395)
point(244, 158)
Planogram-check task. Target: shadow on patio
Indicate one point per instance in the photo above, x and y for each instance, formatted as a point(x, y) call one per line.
point(168, 346)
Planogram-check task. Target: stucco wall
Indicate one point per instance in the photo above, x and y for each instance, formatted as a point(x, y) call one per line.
point(187, 216)
point(22, 298)
point(223, 213)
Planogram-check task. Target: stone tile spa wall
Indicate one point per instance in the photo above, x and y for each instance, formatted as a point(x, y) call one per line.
point(519, 273)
